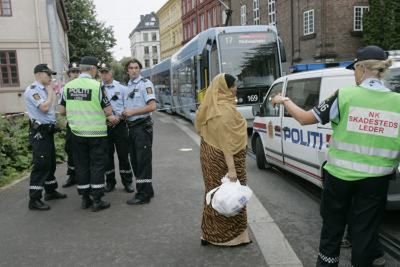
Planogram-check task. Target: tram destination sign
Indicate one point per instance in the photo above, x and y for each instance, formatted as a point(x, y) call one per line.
point(246, 39)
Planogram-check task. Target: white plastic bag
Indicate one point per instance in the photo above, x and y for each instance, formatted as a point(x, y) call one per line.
point(229, 198)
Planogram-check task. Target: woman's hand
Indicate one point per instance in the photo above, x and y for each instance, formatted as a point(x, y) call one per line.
point(232, 176)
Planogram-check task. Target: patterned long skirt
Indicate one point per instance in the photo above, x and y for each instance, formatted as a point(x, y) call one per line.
point(218, 229)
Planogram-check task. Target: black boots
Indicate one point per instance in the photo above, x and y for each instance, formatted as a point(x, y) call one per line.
point(54, 195)
point(37, 204)
point(87, 202)
point(70, 182)
point(99, 204)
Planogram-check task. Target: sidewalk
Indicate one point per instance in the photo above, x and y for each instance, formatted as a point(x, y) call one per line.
point(165, 232)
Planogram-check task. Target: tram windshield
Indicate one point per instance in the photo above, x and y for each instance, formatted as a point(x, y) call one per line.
point(251, 57)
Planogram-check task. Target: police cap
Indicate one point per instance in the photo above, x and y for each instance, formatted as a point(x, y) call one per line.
point(371, 52)
point(89, 60)
point(104, 67)
point(73, 66)
point(43, 68)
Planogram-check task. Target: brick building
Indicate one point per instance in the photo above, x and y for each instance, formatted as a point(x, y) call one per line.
point(312, 31)
point(199, 15)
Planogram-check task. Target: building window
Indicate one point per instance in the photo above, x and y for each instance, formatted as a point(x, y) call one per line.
point(155, 62)
point(358, 15)
point(214, 16)
point(271, 12)
point(154, 36)
point(5, 8)
point(145, 37)
point(146, 50)
point(194, 28)
point(256, 12)
point(8, 69)
point(209, 19)
point(154, 49)
point(308, 18)
point(193, 4)
point(243, 18)
point(146, 63)
point(202, 22)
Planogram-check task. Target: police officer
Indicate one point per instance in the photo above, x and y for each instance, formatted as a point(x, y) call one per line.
point(117, 134)
point(139, 103)
point(73, 73)
point(363, 155)
point(39, 100)
point(87, 108)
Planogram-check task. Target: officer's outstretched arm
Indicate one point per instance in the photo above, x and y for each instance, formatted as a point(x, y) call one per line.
point(302, 116)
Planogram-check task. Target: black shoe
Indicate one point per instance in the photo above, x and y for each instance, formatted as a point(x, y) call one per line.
point(100, 205)
point(138, 201)
point(87, 202)
point(37, 204)
point(54, 195)
point(109, 188)
point(70, 182)
point(129, 188)
point(204, 242)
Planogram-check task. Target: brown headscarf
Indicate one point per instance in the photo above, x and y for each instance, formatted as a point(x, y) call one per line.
point(218, 122)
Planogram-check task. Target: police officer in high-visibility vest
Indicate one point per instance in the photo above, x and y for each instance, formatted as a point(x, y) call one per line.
point(117, 134)
point(39, 100)
point(73, 73)
point(139, 103)
point(88, 109)
point(363, 156)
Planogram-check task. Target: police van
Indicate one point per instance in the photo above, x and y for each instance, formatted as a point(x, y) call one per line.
point(279, 140)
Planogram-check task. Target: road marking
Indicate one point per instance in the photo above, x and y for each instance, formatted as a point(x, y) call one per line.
point(274, 246)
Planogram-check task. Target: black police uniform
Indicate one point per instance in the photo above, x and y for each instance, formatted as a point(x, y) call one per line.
point(117, 137)
point(41, 137)
point(140, 92)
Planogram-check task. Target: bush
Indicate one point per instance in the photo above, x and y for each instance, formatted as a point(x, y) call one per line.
point(15, 150)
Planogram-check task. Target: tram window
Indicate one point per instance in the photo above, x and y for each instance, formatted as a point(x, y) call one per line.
point(214, 62)
point(305, 93)
point(267, 109)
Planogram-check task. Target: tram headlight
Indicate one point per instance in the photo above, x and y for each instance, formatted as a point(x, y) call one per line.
point(239, 100)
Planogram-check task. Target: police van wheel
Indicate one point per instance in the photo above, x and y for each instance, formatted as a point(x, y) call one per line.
point(260, 156)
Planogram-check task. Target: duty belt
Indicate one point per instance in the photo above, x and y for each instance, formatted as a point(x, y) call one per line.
point(139, 121)
point(44, 128)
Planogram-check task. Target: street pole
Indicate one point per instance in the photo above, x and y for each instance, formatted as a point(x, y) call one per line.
point(57, 57)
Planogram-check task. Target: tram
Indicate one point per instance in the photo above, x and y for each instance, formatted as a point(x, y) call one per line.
point(251, 53)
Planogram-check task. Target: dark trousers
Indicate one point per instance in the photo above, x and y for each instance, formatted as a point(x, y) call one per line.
point(141, 142)
point(118, 140)
point(68, 150)
point(44, 164)
point(365, 200)
point(90, 157)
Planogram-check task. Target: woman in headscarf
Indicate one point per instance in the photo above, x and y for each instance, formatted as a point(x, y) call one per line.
point(223, 132)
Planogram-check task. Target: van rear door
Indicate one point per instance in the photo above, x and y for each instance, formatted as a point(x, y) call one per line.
point(301, 143)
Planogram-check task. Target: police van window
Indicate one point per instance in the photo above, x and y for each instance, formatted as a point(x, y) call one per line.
point(392, 79)
point(267, 109)
point(305, 93)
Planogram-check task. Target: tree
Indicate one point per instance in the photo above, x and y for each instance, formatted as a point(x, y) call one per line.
point(87, 36)
point(382, 30)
